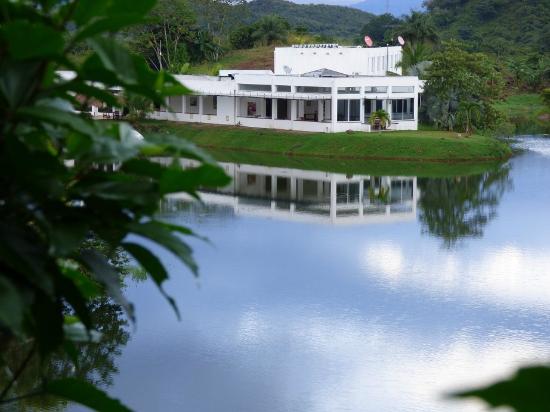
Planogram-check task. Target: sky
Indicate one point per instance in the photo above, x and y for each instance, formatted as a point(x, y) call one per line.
point(396, 7)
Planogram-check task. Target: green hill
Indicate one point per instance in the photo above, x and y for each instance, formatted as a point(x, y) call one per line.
point(504, 27)
point(325, 20)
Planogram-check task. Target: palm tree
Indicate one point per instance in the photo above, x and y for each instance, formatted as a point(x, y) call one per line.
point(419, 28)
point(467, 112)
point(270, 29)
point(414, 60)
point(380, 117)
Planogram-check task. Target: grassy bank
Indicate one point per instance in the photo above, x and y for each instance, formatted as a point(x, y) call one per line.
point(259, 58)
point(526, 112)
point(424, 153)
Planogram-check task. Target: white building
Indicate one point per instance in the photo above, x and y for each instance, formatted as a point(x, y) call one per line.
point(314, 88)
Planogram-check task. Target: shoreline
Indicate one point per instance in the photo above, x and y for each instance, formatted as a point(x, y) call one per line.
point(430, 153)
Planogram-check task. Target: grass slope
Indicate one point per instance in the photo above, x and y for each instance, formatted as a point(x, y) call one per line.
point(258, 58)
point(425, 153)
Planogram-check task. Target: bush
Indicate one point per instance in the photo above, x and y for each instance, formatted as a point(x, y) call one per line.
point(241, 38)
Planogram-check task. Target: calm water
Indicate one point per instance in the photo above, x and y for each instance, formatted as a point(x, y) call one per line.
point(382, 298)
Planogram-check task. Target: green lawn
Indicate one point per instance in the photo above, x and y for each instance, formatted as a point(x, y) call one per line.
point(434, 146)
point(423, 153)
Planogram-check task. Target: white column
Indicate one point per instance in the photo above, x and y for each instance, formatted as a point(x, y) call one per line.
point(293, 109)
point(273, 109)
point(334, 107)
point(362, 105)
point(201, 105)
point(320, 111)
point(415, 110)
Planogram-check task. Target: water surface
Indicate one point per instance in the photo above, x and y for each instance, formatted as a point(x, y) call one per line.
point(370, 300)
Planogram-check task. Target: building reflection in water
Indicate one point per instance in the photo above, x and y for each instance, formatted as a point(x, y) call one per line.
point(312, 196)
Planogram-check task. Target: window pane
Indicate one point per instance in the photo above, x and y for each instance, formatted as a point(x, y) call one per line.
point(354, 110)
point(342, 111)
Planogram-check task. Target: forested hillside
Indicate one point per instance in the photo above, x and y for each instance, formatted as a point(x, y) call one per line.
point(330, 21)
point(503, 27)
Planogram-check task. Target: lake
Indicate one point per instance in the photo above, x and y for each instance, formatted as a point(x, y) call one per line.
point(385, 296)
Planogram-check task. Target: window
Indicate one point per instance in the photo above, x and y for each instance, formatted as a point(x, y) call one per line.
point(376, 89)
point(175, 103)
point(349, 90)
point(354, 110)
point(193, 101)
point(403, 109)
point(402, 89)
point(349, 110)
point(313, 89)
point(342, 111)
point(284, 89)
point(255, 87)
point(215, 102)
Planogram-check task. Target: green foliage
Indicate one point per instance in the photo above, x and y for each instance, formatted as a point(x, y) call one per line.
point(503, 27)
point(380, 29)
point(319, 19)
point(242, 37)
point(546, 97)
point(54, 216)
point(415, 59)
point(526, 391)
point(380, 117)
point(458, 77)
point(270, 29)
point(418, 28)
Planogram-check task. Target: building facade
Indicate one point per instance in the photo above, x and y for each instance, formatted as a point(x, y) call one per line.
point(334, 90)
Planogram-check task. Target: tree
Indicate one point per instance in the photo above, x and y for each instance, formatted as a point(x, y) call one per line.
point(380, 29)
point(217, 17)
point(379, 116)
point(418, 28)
point(457, 76)
point(414, 60)
point(546, 96)
point(66, 180)
point(469, 113)
point(242, 37)
point(163, 39)
point(270, 29)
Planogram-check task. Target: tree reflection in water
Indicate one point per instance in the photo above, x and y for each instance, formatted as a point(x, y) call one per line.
point(96, 361)
point(460, 207)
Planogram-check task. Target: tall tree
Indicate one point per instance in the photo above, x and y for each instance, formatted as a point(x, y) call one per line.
point(164, 38)
point(456, 76)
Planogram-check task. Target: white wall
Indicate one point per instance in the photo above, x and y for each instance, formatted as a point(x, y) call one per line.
point(347, 60)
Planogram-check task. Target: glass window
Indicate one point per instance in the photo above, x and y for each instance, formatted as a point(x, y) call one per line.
point(402, 89)
point(354, 110)
point(349, 90)
point(285, 89)
point(193, 101)
point(312, 89)
point(342, 111)
point(215, 102)
point(376, 89)
point(255, 87)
